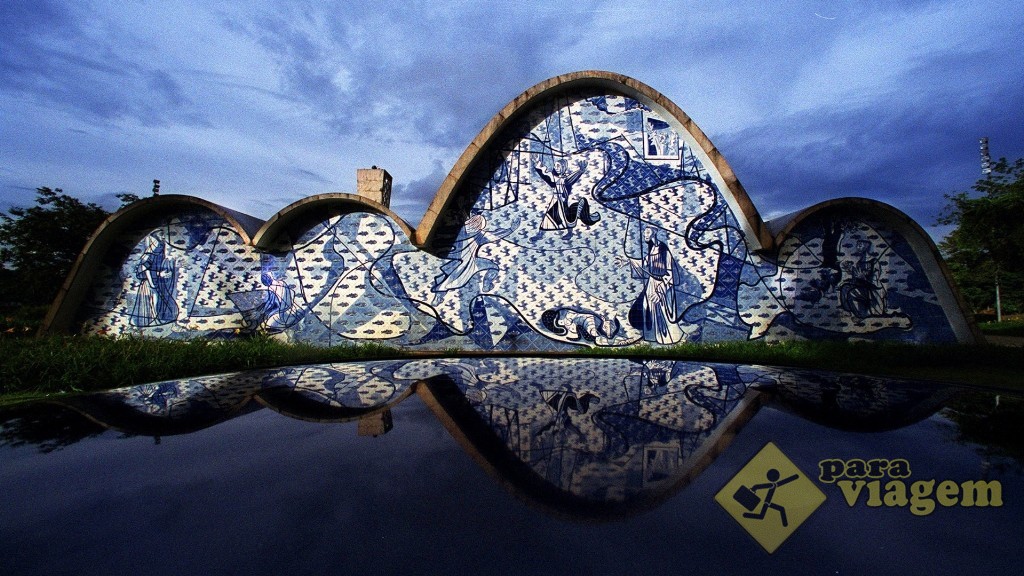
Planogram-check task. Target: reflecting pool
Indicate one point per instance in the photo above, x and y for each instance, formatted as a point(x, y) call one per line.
point(515, 466)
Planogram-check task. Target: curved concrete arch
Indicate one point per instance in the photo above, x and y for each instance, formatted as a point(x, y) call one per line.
point(443, 397)
point(62, 311)
point(285, 401)
point(781, 227)
point(952, 302)
point(331, 204)
point(710, 156)
point(105, 410)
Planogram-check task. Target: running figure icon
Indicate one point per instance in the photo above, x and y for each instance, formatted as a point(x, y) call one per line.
point(749, 499)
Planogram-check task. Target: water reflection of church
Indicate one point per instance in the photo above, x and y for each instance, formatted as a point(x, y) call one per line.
point(589, 438)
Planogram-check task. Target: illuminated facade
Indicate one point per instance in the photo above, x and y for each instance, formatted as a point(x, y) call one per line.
point(590, 212)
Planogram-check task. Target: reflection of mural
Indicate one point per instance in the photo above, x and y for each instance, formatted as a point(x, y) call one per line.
point(605, 431)
point(591, 220)
point(570, 432)
point(851, 401)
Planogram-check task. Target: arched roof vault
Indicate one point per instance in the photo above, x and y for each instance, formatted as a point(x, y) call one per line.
point(289, 221)
point(252, 231)
point(746, 213)
point(950, 299)
point(317, 206)
point(72, 293)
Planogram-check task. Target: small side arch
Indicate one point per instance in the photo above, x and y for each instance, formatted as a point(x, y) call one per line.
point(319, 208)
point(62, 312)
point(935, 269)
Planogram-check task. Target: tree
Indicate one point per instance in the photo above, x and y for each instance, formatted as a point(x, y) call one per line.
point(38, 245)
point(987, 244)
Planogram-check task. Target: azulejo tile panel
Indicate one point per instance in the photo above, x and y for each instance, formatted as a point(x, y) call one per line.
point(590, 219)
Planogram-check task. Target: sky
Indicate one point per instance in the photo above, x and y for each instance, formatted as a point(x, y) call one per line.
point(259, 104)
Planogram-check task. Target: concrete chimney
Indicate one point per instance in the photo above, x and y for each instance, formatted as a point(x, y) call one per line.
point(376, 424)
point(374, 184)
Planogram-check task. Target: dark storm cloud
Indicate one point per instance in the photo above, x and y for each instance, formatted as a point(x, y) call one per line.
point(807, 100)
point(410, 200)
point(25, 18)
point(312, 176)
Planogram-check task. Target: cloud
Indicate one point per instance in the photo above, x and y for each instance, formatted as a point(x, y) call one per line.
point(410, 200)
point(883, 54)
point(248, 104)
point(398, 70)
point(909, 152)
point(75, 60)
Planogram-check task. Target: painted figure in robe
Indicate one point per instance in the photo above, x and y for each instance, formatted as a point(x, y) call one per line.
point(561, 214)
point(860, 292)
point(465, 263)
point(655, 312)
point(154, 299)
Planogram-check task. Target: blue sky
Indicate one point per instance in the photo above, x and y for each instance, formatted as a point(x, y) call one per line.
point(255, 105)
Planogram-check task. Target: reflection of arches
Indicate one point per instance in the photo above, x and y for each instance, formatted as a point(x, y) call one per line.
point(303, 405)
point(488, 410)
point(169, 408)
point(854, 402)
point(341, 393)
point(488, 446)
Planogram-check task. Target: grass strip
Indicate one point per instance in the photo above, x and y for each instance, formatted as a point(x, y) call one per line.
point(978, 365)
point(34, 367)
point(56, 364)
point(1005, 328)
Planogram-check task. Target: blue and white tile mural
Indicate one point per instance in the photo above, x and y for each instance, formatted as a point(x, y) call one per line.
point(850, 275)
point(590, 220)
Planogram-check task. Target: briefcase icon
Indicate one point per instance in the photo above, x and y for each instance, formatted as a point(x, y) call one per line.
point(746, 497)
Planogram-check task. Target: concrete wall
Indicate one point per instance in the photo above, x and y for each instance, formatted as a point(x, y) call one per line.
point(590, 212)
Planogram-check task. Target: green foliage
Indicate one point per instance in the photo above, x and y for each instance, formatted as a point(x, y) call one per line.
point(38, 245)
point(1013, 328)
point(988, 241)
point(995, 428)
point(22, 322)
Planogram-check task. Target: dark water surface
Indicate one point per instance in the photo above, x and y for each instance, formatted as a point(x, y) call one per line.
point(502, 466)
